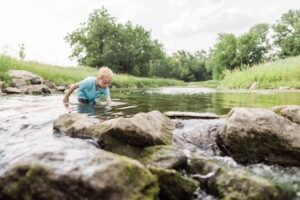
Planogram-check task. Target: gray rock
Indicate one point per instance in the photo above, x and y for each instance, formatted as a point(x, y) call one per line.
point(141, 130)
point(21, 78)
point(163, 156)
point(50, 84)
point(75, 125)
point(36, 81)
point(199, 135)
point(61, 88)
point(37, 89)
point(30, 83)
point(292, 112)
point(126, 136)
point(70, 173)
point(12, 90)
point(229, 183)
point(172, 185)
point(260, 135)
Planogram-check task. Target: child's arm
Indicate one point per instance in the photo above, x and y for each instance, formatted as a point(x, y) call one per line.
point(72, 88)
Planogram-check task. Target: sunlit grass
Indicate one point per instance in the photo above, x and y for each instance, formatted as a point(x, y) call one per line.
point(273, 75)
point(67, 75)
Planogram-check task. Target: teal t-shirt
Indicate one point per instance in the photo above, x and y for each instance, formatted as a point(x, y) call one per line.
point(89, 90)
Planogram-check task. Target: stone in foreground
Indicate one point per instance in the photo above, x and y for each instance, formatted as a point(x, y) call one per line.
point(260, 135)
point(72, 173)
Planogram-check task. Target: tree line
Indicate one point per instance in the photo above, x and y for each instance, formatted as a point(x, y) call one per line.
point(128, 48)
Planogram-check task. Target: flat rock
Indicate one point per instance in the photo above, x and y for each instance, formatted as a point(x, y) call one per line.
point(191, 115)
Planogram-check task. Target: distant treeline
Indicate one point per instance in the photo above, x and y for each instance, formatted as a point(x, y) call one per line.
point(128, 48)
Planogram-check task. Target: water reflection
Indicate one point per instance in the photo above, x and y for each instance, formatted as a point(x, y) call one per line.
point(215, 102)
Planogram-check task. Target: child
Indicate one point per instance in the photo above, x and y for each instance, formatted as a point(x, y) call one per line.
point(92, 87)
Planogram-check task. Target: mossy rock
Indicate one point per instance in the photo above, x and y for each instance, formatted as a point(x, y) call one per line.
point(174, 186)
point(163, 156)
point(99, 176)
point(227, 183)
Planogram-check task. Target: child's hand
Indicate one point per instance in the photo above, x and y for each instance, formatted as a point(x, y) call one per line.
point(66, 102)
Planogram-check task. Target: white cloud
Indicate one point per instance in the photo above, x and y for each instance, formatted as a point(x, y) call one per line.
point(179, 24)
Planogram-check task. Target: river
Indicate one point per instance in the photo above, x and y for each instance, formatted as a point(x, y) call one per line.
point(26, 121)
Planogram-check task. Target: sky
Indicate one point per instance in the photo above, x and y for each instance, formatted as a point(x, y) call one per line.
point(190, 25)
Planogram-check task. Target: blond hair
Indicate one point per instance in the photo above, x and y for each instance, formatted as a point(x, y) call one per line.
point(105, 72)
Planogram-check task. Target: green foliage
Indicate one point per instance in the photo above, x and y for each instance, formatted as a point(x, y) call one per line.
point(287, 34)
point(184, 66)
point(253, 46)
point(125, 48)
point(224, 55)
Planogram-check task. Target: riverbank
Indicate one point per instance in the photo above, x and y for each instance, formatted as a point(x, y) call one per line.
point(68, 75)
point(281, 74)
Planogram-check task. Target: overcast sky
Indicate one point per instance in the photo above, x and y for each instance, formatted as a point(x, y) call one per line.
point(178, 24)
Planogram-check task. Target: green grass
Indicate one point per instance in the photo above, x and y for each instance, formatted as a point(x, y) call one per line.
point(67, 75)
point(208, 84)
point(281, 73)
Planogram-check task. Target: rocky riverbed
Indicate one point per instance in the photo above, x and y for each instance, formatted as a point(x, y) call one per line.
point(150, 156)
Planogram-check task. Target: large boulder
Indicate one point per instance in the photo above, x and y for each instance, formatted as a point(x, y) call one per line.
point(259, 135)
point(229, 183)
point(72, 173)
point(29, 83)
point(126, 136)
point(21, 78)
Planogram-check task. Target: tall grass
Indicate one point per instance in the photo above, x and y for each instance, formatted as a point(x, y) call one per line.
point(273, 75)
point(67, 75)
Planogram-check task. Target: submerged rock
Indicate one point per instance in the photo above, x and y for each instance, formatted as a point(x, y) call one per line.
point(226, 183)
point(260, 135)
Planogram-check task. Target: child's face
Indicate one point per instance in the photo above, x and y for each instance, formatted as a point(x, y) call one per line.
point(104, 82)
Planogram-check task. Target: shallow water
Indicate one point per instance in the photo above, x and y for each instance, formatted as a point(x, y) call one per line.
point(26, 121)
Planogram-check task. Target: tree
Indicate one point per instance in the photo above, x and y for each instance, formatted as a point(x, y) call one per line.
point(224, 55)
point(253, 46)
point(287, 34)
point(123, 47)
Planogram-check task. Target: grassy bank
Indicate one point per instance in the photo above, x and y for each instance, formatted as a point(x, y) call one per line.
point(67, 75)
point(282, 73)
